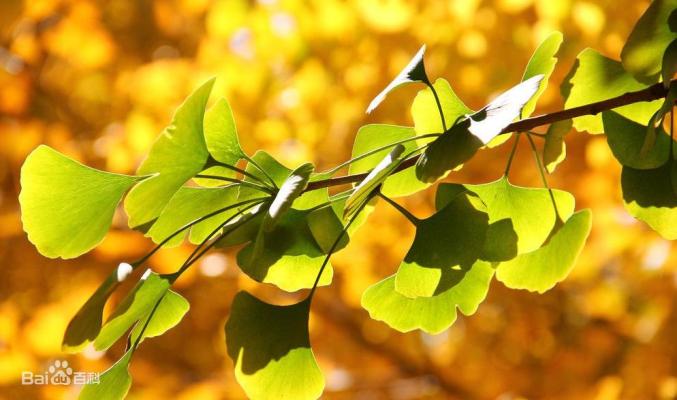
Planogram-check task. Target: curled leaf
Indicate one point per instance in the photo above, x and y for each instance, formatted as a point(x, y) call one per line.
point(414, 71)
point(292, 188)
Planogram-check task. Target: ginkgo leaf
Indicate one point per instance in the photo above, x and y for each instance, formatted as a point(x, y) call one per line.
point(374, 136)
point(425, 113)
point(530, 210)
point(488, 122)
point(113, 384)
point(448, 152)
point(650, 195)
point(363, 191)
point(447, 242)
point(326, 226)
point(189, 204)
point(431, 314)
point(168, 314)
point(644, 48)
point(543, 268)
point(67, 207)
point(669, 63)
point(627, 140)
point(555, 149)
point(291, 189)
point(414, 71)
point(596, 78)
point(135, 306)
point(542, 62)
point(176, 156)
point(221, 134)
point(291, 258)
point(85, 326)
point(270, 348)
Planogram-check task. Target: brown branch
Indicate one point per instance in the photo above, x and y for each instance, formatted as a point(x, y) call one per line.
point(651, 93)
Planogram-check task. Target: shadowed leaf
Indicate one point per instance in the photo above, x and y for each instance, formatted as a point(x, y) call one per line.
point(627, 138)
point(554, 149)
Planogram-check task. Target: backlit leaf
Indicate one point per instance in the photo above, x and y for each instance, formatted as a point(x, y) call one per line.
point(221, 134)
point(449, 151)
point(270, 348)
point(431, 314)
point(542, 62)
point(178, 154)
point(414, 71)
point(66, 207)
point(554, 149)
point(167, 315)
point(113, 384)
point(291, 189)
point(425, 113)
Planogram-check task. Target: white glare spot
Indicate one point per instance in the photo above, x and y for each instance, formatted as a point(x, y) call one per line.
point(339, 379)
point(124, 269)
point(91, 353)
point(213, 265)
point(283, 24)
point(656, 254)
point(289, 98)
point(146, 274)
point(241, 43)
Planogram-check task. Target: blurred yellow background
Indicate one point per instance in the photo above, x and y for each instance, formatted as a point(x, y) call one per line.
point(98, 80)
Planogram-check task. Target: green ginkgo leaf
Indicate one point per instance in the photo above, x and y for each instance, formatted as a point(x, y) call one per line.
point(135, 306)
point(169, 312)
point(669, 63)
point(643, 51)
point(290, 190)
point(542, 62)
point(448, 152)
point(425, 113)
point(189, 204)
point(627, 140)
point(270, 348)
point(374, 136)
point(431, 314)
point(446, 243)
point(113, 384)
point(650, 195)
point(414, 71)
point(326, 226)
point(67, 207)
point(596, 78)
point(364, 190)
point(177, 155)
point(541, 269)
point(530, 210)
point(554, 149)
point(221, 134)
point(290, 258)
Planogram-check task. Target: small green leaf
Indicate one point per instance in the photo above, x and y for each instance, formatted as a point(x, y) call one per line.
point(431, 314)
point(648, 40)
point(177, 155)
point(669, 63)
point(326, 226)
point(189, 204)
point(529, 209)
point(221, 134)
point(596, 78)
point(627, 139)
point(449, 151)
point(113, 384)
point(66, 207)
point(270, 348)
point(650, 195)
point(555, 149)
point(414, 71)
point(290, 258)
point(167, 315)
point(425, 113)
point(541, 269)
point(370, 137)
point(135, 306)
point(290, 190)
point(363, 191)
point(542, 62)
point(446, 244)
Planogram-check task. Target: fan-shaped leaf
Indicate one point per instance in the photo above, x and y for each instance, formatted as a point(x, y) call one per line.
point(449, 151)
point(596, 78)
point(431, 314)
point(270, 348)
point(554, 149)
point(412, 72)
point(425, 113)
point(650, 195)
point(177, 155)
point(113, 384)
point(326, 226)
point(648, 40)
point(168, 314)
point(541, 269)
point(542, 62)
point(627, 139)
point(66, 207)
point(446, 245)
point(669, 63)
point(221, 134)
point(363, 191)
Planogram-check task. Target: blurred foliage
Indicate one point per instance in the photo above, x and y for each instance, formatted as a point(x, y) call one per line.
point(97, 80)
